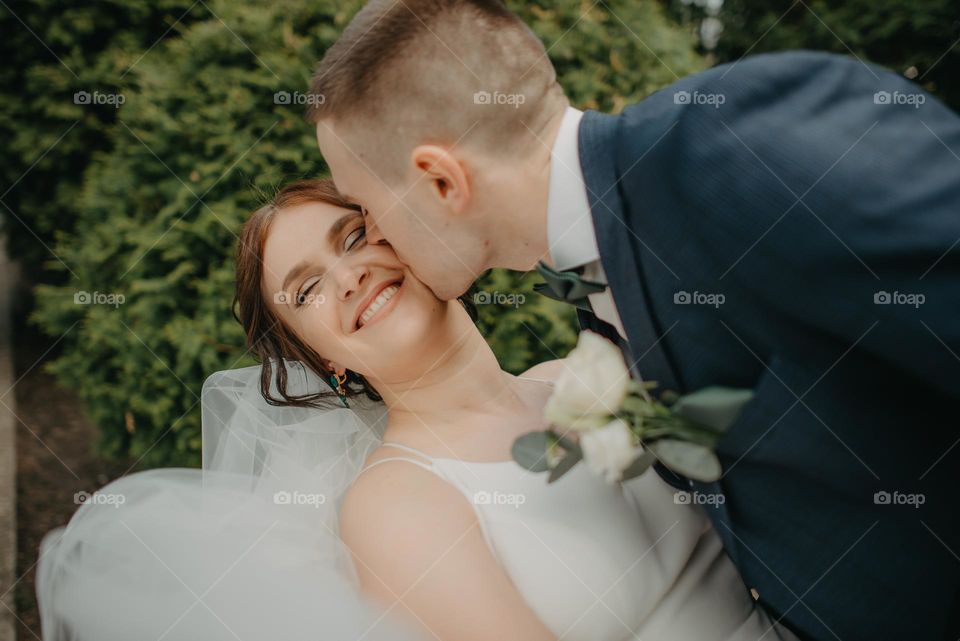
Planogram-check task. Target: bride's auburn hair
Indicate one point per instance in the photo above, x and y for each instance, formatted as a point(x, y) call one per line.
point(269, 338)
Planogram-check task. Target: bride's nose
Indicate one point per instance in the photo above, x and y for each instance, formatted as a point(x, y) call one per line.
point(350, 280)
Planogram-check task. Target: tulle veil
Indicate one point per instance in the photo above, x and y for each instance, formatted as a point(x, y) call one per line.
point(246, 548)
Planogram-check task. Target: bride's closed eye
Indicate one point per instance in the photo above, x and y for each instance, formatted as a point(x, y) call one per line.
point(356, 236)
point(355, 239)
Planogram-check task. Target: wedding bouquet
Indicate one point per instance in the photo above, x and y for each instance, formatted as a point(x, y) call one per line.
point(620, 428)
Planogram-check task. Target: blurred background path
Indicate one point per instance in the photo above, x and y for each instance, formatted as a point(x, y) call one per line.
point(8, 468)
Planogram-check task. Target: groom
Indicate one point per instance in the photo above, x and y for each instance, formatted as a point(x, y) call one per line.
point(788, 223)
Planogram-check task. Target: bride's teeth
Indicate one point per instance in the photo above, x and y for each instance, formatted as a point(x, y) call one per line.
point(375, 306)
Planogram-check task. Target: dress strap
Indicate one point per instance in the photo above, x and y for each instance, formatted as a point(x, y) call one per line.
point(548, 381)
point(412, 450)
point(397, 458)
point(401, 446)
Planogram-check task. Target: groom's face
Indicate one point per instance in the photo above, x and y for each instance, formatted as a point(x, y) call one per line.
point(422, 230)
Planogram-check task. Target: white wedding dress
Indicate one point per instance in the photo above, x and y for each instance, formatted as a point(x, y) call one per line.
point(601, 562)
point(247, 549)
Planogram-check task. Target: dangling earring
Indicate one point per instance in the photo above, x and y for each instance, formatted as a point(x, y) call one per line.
point(336, 382)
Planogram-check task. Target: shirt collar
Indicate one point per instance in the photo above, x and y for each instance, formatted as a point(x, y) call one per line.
point(570, 230)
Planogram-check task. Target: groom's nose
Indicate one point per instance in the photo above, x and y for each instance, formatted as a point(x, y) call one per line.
point(374, 236)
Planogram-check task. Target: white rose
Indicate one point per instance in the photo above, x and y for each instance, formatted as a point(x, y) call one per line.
point(591, 387)
point(609, 450)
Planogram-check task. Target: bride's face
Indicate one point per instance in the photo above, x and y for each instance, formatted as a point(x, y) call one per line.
point(353, 303)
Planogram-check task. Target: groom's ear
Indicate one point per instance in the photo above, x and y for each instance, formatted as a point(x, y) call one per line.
point(444, 175)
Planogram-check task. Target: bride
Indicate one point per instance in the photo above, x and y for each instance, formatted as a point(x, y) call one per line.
point(390, 508)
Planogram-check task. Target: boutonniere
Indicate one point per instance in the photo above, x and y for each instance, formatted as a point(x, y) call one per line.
point(599, 414)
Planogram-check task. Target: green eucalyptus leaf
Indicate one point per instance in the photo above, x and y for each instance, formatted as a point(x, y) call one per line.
point(715, 407)
point(689, 459)
point(566, 443)
point(530, 451)
point(639, 465)
point(565, 465)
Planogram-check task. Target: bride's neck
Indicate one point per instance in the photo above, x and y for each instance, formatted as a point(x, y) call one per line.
point(461, 375)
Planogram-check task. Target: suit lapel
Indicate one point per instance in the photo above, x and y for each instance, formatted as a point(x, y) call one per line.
point(621, 256)
point(621, 259)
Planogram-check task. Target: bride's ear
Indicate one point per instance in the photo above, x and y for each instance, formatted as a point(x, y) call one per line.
point(444, 174)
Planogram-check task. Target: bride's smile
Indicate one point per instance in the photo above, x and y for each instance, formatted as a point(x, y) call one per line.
point(379, 303)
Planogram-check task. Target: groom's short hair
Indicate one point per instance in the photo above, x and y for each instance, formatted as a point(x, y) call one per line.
point(465, 72)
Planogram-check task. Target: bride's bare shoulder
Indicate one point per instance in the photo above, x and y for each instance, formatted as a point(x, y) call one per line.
point(396, 519)
point(398, 496)
point(548, 370)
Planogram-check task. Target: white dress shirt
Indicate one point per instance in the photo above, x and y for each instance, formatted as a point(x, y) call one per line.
point(570, 232)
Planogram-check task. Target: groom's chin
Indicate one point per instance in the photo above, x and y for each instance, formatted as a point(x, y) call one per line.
point(447, 287)
point(451, 291)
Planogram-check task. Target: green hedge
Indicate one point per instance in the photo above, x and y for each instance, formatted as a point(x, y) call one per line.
point(197, 141)
point(918, 38)
point(51, 50)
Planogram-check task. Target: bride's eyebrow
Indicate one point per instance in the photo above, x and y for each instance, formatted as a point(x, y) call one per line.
point(338, 226)
point(332, 235)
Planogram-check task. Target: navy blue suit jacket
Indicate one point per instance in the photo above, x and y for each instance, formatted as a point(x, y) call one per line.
point(791, 223)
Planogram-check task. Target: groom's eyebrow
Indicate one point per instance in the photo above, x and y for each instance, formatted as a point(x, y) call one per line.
point(332, 235)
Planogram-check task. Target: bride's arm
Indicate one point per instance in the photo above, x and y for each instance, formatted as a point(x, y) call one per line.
point(418, 546)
